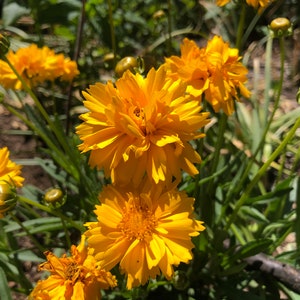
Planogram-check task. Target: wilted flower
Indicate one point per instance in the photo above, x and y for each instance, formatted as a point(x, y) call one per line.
point(35, 65)
point(77, 276)
point(141, 127)
point(215, 71)
point(147, 230)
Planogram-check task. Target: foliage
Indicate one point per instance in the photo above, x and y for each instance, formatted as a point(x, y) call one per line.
point(247, 189)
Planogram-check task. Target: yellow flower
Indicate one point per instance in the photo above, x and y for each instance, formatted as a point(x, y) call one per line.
point(141, 127)
point(78, 276)
point(36, 65)
point(227, 76)
point(257, 4)
point(214, 71)
point(10, 172)
point(147, 230)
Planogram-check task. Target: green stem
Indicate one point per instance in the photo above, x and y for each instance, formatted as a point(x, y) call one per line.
point(33, 239)
point(51, 211)
point(266, 129)
point(267, 82)
point(45, 115)
point(241, 26)
point(169, 27)
point(261, 172)
point(112, 31)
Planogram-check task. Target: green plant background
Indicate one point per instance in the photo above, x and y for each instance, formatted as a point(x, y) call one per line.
point(247, 191)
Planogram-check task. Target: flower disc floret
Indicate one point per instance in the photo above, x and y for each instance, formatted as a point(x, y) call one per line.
point(141, 127)
point(147, 231)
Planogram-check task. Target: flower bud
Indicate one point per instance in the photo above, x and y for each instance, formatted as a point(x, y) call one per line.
point(126, 63)
point(8, 198)
point(55, 197)
point(281, 27)
point(4, 44)
point(180, 280)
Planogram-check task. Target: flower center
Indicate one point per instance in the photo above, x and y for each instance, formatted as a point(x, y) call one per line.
point(72, 272)
point(138, 116)
point(138, 221)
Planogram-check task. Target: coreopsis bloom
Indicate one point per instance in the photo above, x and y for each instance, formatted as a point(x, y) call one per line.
point(10, 172)
point(36, 65)
point(147, 231)
point(257, 4)
point(215, 71)
point(141, 127)
point(77, 276)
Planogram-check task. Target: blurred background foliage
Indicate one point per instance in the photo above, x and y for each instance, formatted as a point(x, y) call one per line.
point(250, 205)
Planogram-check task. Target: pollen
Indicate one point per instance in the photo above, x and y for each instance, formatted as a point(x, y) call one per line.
point(138, 221)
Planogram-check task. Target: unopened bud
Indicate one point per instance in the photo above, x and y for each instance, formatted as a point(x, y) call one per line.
point(180, 280)
point(55, 197)
point(126, 63)
point(281, 27)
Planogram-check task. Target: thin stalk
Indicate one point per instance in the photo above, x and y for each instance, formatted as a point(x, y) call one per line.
point(33, 239)
point(241, 26)
point(75, 58)
point(51, 211)
point(262, 172)
point(267, 127)
point(267, 82)
point(112, 31)
point(208, 206)
point(45, 115)
point(169, 27)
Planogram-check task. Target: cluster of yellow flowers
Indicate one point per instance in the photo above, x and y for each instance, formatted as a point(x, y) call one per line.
point(35, 65)
point(139, 131)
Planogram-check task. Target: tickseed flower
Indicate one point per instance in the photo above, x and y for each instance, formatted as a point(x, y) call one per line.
point(215, 71)
point(10, 172)
point(257, 4)
point(36, 65)
point(77, 276)
point(147, 231)
point(141, 127)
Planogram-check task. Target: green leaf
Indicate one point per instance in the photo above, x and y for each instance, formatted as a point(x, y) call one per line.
point(252, 248)
point(12, 12)
point(4, 288)
point(254, 214)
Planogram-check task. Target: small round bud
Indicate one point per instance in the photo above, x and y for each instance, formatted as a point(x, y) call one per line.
point(180, 280)
point(281, 27)
point(4, 44)
point(126, 63)
point(55, 197)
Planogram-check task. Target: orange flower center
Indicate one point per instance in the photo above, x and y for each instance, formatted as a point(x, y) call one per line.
point(138, 116)
point(72, 272)
point(138, 222)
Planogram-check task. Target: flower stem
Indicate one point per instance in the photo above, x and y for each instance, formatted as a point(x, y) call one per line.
point(51, 211)
point(112, 31)
point(261, 172)
point(33, 239)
